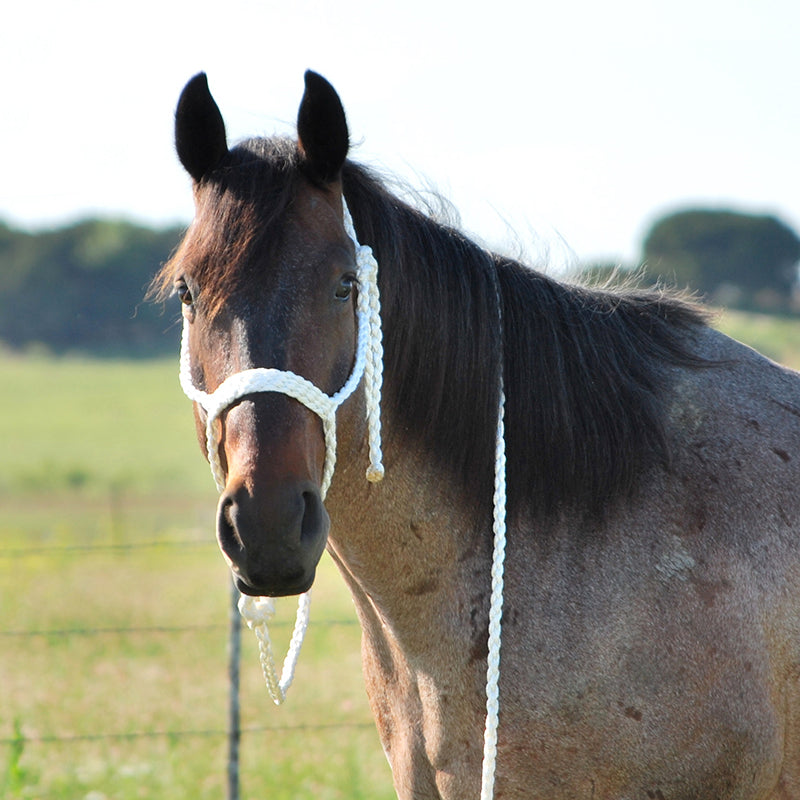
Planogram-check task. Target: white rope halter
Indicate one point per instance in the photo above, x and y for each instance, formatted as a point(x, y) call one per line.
point(257, 611)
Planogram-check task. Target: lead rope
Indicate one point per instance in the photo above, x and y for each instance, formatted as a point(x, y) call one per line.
point(258, 611)
point(495, 607)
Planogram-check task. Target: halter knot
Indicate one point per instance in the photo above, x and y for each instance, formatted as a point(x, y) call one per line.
point(256, 611)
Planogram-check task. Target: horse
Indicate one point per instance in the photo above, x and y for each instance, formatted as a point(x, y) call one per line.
point(651, 618)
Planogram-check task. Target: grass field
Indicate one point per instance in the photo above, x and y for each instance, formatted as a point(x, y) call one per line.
point(114, 607)
point(777, 338)
point(114, 604)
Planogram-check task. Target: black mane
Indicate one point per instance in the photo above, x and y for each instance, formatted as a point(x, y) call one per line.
point(584, 370)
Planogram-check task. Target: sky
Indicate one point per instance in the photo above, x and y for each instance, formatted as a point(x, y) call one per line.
point(561, 130)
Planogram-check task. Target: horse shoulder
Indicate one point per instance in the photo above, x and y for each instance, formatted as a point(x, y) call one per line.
point(735, 426)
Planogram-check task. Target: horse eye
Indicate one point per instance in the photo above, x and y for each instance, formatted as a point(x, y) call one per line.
point(345, 287)
point(184, 295)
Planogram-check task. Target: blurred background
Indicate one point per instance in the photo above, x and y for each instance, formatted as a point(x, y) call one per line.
point(602, 140)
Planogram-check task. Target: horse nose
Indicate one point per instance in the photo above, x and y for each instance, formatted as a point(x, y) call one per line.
point(273, 539)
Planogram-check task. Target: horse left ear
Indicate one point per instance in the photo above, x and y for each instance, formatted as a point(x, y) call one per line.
point(322, 130)
point(199, 129)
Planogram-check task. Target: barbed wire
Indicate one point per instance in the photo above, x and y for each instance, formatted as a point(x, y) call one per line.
point(235, 731)
point(146, 630)
point(155, 629)
point(17, 552)
point(95, 737)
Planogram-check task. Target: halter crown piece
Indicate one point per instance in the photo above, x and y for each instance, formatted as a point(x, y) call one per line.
point(257, 611)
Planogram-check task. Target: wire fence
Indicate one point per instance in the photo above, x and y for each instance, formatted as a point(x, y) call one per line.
point(231, 728)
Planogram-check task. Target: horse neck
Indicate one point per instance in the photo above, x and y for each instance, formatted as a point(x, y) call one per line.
point(409, 547)
point(442, 340)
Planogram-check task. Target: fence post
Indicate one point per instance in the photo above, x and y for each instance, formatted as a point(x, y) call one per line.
point(234, 721)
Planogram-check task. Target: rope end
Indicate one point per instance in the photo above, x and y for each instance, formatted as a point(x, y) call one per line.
point(256, 610)
point(375, 473)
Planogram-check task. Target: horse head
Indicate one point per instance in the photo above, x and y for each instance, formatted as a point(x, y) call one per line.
point(266, 275)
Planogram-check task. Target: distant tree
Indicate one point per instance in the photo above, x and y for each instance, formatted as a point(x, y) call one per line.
point(82, 287)
point(717, 251)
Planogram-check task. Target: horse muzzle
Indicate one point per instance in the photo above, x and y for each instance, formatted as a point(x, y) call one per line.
point(274, 540)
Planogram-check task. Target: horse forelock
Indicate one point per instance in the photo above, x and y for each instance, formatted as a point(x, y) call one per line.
point(239, 213)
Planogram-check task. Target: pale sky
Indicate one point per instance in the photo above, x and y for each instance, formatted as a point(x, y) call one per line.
point(565, 128)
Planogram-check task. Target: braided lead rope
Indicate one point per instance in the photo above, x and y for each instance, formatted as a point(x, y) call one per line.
point(257, 611)
point(495, 608)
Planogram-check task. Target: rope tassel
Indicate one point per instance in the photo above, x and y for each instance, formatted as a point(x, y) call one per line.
point(369, 307)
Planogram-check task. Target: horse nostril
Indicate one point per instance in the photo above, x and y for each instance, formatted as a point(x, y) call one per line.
point(229, 539)
point(314, 516)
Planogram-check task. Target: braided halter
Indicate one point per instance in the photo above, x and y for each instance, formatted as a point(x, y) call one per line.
point(257, 611)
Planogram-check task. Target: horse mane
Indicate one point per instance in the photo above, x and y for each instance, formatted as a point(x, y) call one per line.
point(585, 370)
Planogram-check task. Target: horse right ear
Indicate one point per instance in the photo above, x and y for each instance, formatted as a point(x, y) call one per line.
point(322, 130)
point(199, 129)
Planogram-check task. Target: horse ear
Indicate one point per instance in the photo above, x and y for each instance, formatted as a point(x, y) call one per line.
point(199, 129)
point(322, 130)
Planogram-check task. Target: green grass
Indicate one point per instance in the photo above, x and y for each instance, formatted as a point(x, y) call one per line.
point(777, 338)
point(96, 425)
point(103, 454)
point(73, 708)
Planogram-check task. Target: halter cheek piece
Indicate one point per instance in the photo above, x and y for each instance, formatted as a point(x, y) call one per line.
point(257, 611)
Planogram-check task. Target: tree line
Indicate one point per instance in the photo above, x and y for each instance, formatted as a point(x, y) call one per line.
point(82, 287)
point(729, 258)
point(734, 259)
